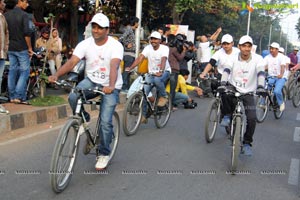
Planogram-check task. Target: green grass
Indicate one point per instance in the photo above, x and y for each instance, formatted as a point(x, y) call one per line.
point(48, 101)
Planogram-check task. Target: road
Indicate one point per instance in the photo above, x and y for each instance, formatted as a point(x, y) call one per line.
point(170, 163)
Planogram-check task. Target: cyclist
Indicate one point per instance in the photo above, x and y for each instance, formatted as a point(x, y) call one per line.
point(245, 74)
point(219, 59)
point(158, 67)
point(103, 55)
point(275, 64)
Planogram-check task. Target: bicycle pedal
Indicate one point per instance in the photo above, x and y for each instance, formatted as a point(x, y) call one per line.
point(87, 148)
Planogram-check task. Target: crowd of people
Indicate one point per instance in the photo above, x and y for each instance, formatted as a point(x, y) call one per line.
point(238, 68)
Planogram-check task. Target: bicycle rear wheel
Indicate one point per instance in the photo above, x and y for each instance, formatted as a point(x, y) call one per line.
point(296, 96)
point(132, 113)
point(162, 114)
point(212, 120)
point(236, 142)
point(64, 156)
point(262, 107)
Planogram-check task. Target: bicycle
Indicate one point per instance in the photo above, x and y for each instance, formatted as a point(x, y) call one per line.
point(237, 129)
point(133, 109)
point(67, 144)
point(292, 85)
point(269, 103)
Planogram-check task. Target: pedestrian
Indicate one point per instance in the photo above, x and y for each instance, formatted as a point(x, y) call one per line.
point(103, 55)
point(128, 41)
point(293, 57)
point(54, 45)
point(245, 74)
point(158, 67)
point(176, 54)
point(19, 51)
point(4, 41)
point(3, 46)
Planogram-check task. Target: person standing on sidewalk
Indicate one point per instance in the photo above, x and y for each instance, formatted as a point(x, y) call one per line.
point(128, 41)
point(19, 51)
point(3, 46)
point(103, 55)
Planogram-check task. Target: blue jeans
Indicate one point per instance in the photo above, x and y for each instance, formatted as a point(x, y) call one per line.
point(180, 98)
point(160, 84)
point(19, 68)
point(107, 108)
point(128, 60)
point(279, 84)
point(2, 66)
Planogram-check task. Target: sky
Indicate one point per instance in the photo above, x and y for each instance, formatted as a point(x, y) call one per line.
point(288, 23)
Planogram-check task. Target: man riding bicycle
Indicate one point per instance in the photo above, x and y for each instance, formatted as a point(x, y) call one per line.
point(103, 55)
point(245, 74)
point(275, 65)
point(158, 67)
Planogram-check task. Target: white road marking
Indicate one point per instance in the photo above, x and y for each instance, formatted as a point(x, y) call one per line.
point(294, 172)
point(297, 134)
point(298, 116)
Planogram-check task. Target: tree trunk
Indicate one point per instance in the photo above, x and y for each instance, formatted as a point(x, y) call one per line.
point(74, 23)
point(38, 10)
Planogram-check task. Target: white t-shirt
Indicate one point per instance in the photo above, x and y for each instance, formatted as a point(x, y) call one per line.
point(286, 71)
point(274, 64)
point(221, 58)
point(155, 56)
point(98, 59)
point(244, 73)
point(205, 52)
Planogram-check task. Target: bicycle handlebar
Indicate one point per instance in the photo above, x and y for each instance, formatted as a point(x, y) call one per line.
point(67, 84)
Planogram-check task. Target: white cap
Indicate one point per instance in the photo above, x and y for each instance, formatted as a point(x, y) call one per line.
point(101, 20)
point(246, 38)
point(275, 45)
point(227, 38)
point(281, 49)
point(296, 48)
point(156, 35)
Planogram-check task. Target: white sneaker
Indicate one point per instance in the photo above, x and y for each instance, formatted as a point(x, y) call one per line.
point(3, 110)
point(102, 162)
point(282, 107)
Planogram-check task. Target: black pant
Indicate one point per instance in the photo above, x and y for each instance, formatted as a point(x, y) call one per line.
point(173, 84)
point(229, 103)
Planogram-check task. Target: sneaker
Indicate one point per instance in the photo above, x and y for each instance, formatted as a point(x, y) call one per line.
point(247, 150)
point(3, 110)
point(282, 107)
point(262, 103)
point(225, 121)
point(162, 101)
point(144, 120)
point(198, 81)
point(102, 162)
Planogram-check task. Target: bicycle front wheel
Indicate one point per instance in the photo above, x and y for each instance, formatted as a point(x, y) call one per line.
point(162, 114)
point(115, 137)
point(212, 119)
point(290, 89)
point(132, 113)
point(262, 107)
point(64, 156)
point(236, 142)
point(296, 96)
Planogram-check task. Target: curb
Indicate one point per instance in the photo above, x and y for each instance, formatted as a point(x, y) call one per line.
point(41, 115)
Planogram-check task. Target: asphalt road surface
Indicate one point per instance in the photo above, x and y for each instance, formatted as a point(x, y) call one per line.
point(168, 164)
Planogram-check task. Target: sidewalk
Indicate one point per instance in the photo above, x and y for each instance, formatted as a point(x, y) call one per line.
point(27, 116)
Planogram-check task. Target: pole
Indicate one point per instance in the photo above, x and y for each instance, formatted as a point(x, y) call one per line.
point(96, 6)
point(138, 14)
point(270, 34)
point(249, 19)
